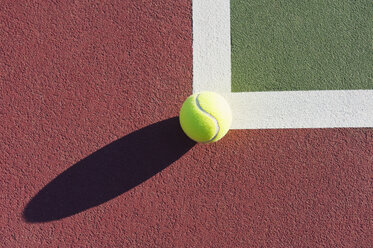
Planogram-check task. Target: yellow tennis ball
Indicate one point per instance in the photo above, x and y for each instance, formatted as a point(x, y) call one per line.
point(205, 117)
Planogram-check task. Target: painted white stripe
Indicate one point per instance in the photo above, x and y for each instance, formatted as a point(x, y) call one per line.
point(302, 109)
point(257, 110)
point(211, 46)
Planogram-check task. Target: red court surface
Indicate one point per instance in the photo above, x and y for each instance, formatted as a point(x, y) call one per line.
point(92, 154)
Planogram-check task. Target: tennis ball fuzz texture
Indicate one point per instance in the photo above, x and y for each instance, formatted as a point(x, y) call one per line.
point(205, 117)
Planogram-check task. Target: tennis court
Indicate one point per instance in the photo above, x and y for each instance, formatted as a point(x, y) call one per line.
point(92, 153)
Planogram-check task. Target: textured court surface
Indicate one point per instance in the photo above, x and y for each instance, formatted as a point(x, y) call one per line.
point(92, 155)
point(301, 45)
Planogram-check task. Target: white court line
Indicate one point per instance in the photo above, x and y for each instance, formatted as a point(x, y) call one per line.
point(256, 110)
point(211, 46)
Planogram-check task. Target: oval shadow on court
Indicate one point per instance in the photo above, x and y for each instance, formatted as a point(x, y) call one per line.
point(110, 172)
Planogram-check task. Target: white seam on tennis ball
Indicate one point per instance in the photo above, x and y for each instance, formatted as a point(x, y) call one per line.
point(211, 116)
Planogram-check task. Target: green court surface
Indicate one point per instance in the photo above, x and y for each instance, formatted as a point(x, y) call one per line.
point(282, 45)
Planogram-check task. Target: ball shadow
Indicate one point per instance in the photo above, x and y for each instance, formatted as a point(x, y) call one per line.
point(109, 172)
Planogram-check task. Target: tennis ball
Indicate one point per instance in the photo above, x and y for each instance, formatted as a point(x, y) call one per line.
point(205, 117)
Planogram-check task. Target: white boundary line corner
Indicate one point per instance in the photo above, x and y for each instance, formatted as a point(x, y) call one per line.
point(260, 110)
